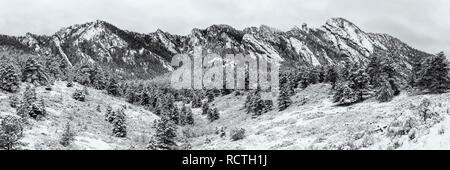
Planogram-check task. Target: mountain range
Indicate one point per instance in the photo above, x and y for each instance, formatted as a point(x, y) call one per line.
point(147, 55)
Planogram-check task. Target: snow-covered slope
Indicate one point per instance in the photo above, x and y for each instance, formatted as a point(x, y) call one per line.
point(92, 131)
point(314, 122)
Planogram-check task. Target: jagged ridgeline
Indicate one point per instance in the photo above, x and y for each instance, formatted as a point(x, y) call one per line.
point(137, 55)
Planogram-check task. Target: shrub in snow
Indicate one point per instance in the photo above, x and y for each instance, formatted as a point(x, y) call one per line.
point(221, 132)
point(213, 114)
point(9, 78)
point(425, 111)
point(68, 136)
point(79, 95)
point(185, 144)
point(403, 125)
point(441, 130)
point(237, 134)
point(208, 141)
point(70, 83)
point(10, 132)
point(14, 101)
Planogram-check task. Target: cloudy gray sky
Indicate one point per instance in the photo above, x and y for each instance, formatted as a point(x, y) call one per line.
point(424, 24)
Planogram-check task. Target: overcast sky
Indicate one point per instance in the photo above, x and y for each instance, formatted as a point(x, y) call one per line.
point(424, 24)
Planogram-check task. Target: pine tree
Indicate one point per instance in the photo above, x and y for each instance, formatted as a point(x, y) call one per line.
point(205, 108)
point(286, 91)
point(9, 78)
point(118, 120)
point(354, 85)
point(332, 76)
point(110, 114)
point(284, 100)
point(113, 87)
point(119, 123)
point(188, 118)
point(434, 74)
point(385, 92)
point(255, 105)
point(381, 70)
point(164, 138)
point(34, 73)
point(68, 135)
point(359, 82)
point(10, 132)
point(344, 95)
point(31, 106)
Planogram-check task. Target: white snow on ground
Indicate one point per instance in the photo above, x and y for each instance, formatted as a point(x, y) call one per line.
point(312, 122)
point(90, 143)
point(91, 129)
point(438, 138)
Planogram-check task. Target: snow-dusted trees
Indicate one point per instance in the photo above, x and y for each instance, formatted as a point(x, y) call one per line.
point(205, 108)
point(118, 120)
point(119, 124)
point(213, 114)
point(331, 75)
point(165, 134)
point(433, 74)
point(30, 105)
point(353, 87)
point(186, 116)
point(385, 91)
point(33, 72)
point(9, 78)
point(10, 132)
point(91, 75)
point(68, 136)
point(384, 78)
point(255, 105)
point(113, 87)
point(344, 94)
point(286, 91)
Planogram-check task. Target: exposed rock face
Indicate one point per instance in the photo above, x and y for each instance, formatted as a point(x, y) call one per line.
point(146, 55)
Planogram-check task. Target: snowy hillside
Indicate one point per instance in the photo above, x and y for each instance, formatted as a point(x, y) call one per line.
point(312, 122)
point(91, 130)
point(315, 122)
